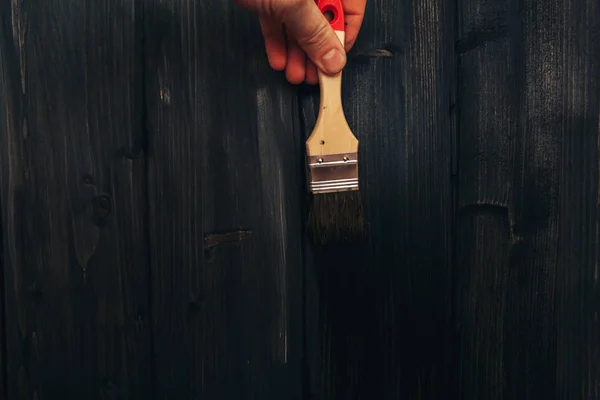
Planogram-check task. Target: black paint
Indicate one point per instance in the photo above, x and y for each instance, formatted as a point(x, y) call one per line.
point(528, 195)
point(153, 209)
point(73, 224)
point(225, 161)
point(378, 316)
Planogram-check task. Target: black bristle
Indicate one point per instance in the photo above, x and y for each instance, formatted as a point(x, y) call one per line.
point(336, 219)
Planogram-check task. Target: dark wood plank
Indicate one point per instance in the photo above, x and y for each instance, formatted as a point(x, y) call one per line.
point(488, 107)
point(482, 300)
point(529, 117)
point(379, 315)
point(3, 365)
point(73, 208)
point(225, 204)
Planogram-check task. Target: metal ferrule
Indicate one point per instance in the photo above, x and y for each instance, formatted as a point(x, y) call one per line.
point(333, 172)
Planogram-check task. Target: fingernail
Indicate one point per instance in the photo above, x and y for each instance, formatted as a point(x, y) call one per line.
point(333, 61)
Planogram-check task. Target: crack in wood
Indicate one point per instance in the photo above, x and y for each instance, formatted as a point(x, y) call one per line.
point(212, 240)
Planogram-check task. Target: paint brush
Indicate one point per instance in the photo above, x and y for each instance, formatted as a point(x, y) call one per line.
point(336, 213)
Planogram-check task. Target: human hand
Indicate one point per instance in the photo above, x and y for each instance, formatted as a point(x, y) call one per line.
point(299, 39)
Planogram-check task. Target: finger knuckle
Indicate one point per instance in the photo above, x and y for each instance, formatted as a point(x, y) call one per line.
point(317, 38)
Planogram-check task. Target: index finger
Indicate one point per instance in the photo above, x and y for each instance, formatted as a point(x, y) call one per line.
point(354, 12)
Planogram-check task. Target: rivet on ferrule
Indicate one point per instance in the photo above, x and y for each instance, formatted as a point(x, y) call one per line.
point(333, 173)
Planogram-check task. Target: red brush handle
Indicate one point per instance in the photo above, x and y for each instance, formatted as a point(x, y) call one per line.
point(335, 10)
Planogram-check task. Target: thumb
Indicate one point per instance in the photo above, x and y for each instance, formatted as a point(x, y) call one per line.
point(309, 27)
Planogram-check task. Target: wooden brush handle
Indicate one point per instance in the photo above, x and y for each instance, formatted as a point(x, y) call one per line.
point(331, 134)
point(331, 88)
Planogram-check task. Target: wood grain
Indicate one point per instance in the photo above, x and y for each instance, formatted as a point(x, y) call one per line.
point(153, 205)
point(73, 208)
point(528, 173)
point(225, 160)
point(379, 314)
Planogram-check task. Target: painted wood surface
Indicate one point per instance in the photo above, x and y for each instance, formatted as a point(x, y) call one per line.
point(73, 195)
point(527, 271)
point(153, 206)
point(225, 166)
point(379, 315)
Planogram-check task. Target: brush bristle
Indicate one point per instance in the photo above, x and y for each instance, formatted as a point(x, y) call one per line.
point(336, 218)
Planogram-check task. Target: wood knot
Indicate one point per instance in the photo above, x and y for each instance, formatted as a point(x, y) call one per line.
point(101, 208)
point(88, 180)
point(109, 386)
point(196, 302)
